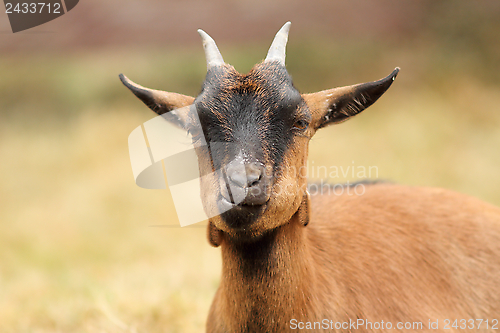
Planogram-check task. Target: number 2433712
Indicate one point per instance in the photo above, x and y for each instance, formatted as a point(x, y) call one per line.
point(471, 324)
point(32, 8)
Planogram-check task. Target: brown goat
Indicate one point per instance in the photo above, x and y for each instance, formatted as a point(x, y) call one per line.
point(394, 258)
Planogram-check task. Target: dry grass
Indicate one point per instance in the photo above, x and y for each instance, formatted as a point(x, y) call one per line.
point(77, 248)
point(78, 252)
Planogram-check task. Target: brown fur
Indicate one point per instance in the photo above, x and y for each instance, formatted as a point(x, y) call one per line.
point(396, 253)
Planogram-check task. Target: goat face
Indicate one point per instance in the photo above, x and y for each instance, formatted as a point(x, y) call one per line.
point(256, 128)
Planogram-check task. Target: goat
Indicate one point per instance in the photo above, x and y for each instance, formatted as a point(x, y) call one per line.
point(392, 258)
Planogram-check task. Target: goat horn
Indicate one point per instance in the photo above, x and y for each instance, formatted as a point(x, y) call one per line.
point(212, 53)
point(277, 51)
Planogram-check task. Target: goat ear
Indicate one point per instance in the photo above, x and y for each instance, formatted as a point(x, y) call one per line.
point(214, 235)
point(161, 101)
point(339, 104)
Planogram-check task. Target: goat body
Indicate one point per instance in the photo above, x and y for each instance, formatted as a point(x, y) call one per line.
point(395, 255)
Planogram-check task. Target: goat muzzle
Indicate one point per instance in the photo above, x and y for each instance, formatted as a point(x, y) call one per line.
point(246, 183)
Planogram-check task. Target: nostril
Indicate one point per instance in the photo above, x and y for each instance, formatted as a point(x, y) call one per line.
point(245, 174)
point(253, 180)
point(236, 172)
point(254, 174)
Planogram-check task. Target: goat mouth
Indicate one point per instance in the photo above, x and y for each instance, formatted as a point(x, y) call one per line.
point(254, 196)
point(227, 206)
point(239, 216)
point(246, 203)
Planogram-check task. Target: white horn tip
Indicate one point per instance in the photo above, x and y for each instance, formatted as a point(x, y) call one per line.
point(212, 54)
point(202, 33)
point(286, 26)
point(277, 51)
point(205, 37)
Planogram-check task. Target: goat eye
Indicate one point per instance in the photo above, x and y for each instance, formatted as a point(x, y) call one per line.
point(301, 124)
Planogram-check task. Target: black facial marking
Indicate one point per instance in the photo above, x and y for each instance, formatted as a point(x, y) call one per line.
point(253, 112)
point(257, 115)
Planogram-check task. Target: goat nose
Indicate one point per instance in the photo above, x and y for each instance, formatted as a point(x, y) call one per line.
point(254, 173)
point(245, 174)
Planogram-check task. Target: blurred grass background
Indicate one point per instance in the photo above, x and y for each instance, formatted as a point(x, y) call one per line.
point(78, 248)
